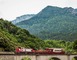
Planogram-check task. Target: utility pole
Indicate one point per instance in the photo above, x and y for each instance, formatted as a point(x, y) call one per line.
point(37, 57)
point(68, 56)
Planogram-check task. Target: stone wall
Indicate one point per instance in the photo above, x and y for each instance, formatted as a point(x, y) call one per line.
point(16, 57)
point(36, 57)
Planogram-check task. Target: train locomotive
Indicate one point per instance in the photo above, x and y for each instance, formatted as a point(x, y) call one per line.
point(48, 51)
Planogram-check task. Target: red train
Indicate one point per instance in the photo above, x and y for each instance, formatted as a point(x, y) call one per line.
point(46, 51)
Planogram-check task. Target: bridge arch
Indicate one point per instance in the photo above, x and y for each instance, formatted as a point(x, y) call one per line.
point(74, 58)
point(26, 58)
point(54, 58)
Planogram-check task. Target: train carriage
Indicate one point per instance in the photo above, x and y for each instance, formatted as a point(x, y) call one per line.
point(46, 51)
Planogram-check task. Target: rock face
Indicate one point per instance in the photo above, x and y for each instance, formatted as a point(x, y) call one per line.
point(53, 23)
point(22, 18)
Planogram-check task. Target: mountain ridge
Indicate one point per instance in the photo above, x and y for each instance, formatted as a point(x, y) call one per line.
point(53, 23)
point(22, 18)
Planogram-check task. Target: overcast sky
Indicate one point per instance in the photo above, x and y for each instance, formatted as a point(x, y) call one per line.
point(10, 9)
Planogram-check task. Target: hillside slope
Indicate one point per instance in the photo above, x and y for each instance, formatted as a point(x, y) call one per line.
point(53, 23)
point(12, 37)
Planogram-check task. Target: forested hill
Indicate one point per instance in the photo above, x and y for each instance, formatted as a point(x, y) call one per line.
point(12, 37)
point(53, 23)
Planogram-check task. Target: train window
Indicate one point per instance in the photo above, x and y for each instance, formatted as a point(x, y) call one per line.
point(57, 50)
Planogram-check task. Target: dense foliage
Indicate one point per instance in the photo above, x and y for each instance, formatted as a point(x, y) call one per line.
point(53, 23)
point(68, 46)
point(75, 46)
point(26, 58)
point(12, 37)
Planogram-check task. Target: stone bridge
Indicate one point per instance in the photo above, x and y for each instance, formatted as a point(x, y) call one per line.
point(38, 57)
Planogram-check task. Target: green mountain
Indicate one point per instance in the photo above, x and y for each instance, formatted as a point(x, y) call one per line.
point(12, 37)
point(53, 23)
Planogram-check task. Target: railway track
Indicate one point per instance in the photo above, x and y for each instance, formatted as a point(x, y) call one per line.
point(13, 53)
point(7, 53)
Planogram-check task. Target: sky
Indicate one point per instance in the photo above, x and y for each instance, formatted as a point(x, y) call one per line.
point(10, 9)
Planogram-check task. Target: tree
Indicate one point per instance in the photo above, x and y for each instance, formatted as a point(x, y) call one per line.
point(75, 45)
point(26, 58)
